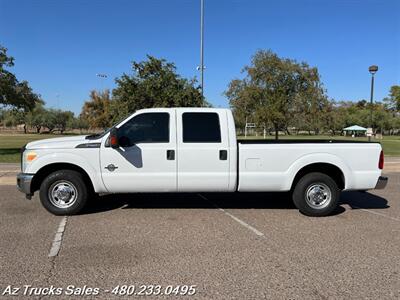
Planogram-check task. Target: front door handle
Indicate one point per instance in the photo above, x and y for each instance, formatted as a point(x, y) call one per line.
point(170, 154)
point(223, 154)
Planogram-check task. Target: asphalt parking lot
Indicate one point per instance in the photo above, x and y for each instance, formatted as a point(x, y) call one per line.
point(242, 246)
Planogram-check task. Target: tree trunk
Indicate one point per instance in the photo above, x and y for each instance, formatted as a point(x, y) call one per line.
point(38, 129)
point(25, 128)
point(276, 132)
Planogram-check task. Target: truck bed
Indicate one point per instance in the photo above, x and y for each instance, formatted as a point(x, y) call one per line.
point(271, 165)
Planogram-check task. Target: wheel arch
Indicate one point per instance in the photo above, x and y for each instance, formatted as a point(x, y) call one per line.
point(46, 170)
point(328, 169)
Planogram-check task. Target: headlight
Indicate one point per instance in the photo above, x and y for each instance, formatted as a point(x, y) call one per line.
point(28, 157)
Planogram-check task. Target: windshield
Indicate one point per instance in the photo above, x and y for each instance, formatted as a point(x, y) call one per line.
point(101, 134)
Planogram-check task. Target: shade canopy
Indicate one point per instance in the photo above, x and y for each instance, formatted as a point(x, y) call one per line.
point(355, 128)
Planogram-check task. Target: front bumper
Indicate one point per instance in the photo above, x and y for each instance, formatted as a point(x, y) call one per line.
point(24, 181)
point(381, 183)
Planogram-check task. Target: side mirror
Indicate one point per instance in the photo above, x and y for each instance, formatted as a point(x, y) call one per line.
point(114, 143)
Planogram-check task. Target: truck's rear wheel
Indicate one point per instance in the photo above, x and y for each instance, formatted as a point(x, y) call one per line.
point(64, 192)
point(316, 194)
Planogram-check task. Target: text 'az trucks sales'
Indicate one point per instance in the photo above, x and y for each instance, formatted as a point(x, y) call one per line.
point(194, 150)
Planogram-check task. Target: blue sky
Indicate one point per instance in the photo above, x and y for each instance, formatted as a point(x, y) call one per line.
point(59, 46)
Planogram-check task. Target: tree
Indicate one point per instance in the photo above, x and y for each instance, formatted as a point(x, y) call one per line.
point(63, 119)
point(12, 92)
point(118, 111)
point(155, 83)
point(82, 124)
point(3, 114)
point(14, 117)
point(96, 111)
point(393, 101)
point(8, 81)
point(335, 118)
point(242, 102)
point(78, 123)
point(50, 120)
point(311, 103)
point(36, 117)
point(275, 89)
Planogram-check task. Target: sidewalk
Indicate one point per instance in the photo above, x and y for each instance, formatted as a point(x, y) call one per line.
point(8, 173)
point(392, 164)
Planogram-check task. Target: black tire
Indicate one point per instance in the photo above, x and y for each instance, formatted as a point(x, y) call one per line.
point(74, 187)
point(316, 195)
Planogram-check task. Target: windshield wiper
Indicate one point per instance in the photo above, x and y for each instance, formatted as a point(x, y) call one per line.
point(96, 135)
point(100, 135)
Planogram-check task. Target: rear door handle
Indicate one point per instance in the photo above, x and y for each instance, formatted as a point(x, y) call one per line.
point(223, 154)
point(170, 154)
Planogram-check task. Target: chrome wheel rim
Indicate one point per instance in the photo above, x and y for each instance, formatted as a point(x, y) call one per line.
point(63, 194)
point(318, 195)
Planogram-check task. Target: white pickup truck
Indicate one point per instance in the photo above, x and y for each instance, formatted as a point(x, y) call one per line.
point(194, 150)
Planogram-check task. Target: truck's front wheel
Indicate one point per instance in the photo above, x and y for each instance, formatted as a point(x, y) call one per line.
point(64, 192)
point(316, 194)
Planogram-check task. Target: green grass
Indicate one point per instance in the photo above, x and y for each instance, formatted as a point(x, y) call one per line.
point(391, 147)
point(10, 144)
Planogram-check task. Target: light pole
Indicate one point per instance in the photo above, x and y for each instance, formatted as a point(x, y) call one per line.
point(202, 46)
point(372, 69)
point(58, 100)
point(102, 76)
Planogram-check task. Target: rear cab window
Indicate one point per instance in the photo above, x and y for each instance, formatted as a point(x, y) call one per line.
point(202, 127)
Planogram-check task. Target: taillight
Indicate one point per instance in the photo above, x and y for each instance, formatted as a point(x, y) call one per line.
point(381, 160)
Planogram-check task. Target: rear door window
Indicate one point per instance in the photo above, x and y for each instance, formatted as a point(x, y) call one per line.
point(201, 128)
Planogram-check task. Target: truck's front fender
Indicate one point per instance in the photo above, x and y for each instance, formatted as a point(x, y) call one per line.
point(44, 160)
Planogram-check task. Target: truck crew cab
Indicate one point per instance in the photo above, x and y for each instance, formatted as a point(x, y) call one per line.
point(194, 150)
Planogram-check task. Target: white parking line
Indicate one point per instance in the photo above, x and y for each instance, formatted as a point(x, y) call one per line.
point(55, 247)
point(241, 222)
point(376, 213)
